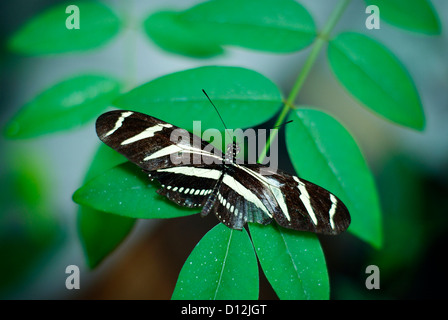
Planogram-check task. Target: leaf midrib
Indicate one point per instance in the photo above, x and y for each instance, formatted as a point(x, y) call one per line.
point(253, 25)
point(223, 264)
point(217, 100)
point(293, 263)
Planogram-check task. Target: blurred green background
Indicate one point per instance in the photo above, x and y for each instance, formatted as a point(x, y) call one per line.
point(38, 234)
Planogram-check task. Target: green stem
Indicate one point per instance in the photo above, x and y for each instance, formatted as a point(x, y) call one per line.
point(316, 48)
point(130, 46)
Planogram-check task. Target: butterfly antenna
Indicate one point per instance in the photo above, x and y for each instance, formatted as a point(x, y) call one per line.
point(215, 108)
point(216, 111)
point(284, 123)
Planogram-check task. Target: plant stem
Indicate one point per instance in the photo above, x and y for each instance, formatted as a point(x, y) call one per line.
point(321, 39)
point(130, 46)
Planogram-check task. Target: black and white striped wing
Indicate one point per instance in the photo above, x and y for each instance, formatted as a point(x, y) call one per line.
point(302, 205)
point(240, 198)
point(147, 141)
point(188, 186)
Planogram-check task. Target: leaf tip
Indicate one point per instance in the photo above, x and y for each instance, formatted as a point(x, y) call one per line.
point(77, 196)
point(421, 125)
point(418, 122)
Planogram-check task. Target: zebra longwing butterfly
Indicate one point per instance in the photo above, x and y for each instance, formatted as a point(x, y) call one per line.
point(235, 193)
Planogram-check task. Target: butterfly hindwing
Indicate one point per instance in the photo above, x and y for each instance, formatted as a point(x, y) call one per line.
point(187, 186)
point(241, 198)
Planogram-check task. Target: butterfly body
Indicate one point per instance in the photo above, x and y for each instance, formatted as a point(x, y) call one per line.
point(236, 193)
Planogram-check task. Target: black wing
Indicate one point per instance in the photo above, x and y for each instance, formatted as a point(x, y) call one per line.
point(240, 198)
point(302, 205)
point(188, 186)
point(175, 163)
point(150, 143)
point(244, 195)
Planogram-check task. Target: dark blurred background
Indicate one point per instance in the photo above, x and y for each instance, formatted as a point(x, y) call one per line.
point(38, 176)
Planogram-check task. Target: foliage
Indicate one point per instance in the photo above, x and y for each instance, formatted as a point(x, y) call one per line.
point(28, 228)
point(293, 262)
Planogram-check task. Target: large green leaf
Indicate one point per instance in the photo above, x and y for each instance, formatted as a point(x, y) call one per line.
point(372, 74)
point(66, 105)
point(165, 29)
point(101, 232)
point(269, 25)
point(415, 15)
point(222, 266)
point(292, 261)
point(178, 98)
point(125, 190)
point(47, 32)
point(333, 160)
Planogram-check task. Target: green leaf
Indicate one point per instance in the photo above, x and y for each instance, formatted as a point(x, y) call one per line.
point(66, 105)
point(125, 190)
point(178, 98)
point(29, 229)
point(373, 75)
point(333, 160)
point(222, 266)
point(47, 32)
point(165, 29)
point(268, 25)
point(100, 233)
point(292, 261)
point(404, 188)
point(418, 15)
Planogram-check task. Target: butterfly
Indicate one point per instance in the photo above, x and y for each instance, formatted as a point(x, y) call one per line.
point(236, 193)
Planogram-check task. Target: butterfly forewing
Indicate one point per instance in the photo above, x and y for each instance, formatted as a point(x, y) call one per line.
point(305, 206)
point(235, 193)
point(150, 142)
